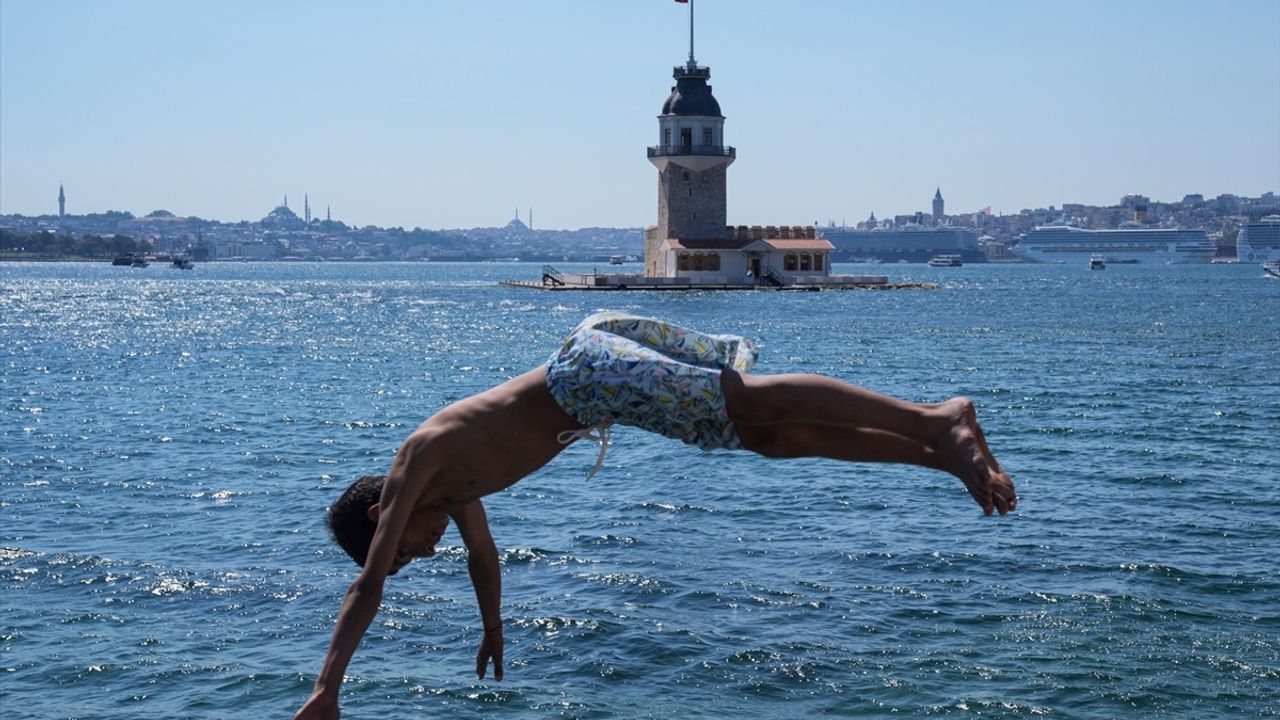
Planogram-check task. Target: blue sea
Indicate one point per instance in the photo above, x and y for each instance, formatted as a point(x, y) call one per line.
point(170, 440)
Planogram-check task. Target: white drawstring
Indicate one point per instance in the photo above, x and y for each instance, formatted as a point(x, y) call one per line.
point(601, 436)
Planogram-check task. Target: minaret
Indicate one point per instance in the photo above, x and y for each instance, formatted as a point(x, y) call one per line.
point(62, 202)
point(692, 160)
point(306, 208)
point(327, 217)
point(937, 207)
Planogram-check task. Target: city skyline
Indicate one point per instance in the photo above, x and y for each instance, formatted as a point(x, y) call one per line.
point(396, 115)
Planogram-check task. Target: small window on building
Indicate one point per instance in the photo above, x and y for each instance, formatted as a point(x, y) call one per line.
point(683, 262)
point(789, 262)
point(686, 176)
point(713, 261)
point(806, 261)
point(686, 140)
point(817, 262)
point(666, 139)
point(698, 263)
point(706, 136)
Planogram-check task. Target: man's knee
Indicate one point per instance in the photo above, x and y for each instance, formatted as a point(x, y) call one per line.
point(766, 440)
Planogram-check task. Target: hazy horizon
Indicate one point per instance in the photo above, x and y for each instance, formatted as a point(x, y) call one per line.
point(453, 115)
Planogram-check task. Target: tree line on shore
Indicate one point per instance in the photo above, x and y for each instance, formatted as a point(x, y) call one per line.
point(45, 245)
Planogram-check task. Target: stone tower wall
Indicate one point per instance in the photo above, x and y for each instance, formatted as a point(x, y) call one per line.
point(692, 204)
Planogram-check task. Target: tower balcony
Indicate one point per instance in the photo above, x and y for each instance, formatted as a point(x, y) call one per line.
point(657, 151)
point(691, 157)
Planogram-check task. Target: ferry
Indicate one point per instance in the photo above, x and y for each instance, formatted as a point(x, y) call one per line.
point(1062, 243)
point(1259, 242)
point(910, 244)
point(1097, 262)
point(1272, 267)
point(945, 261)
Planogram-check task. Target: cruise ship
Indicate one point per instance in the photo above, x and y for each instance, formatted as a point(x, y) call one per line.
point(1064, 244)
point(1259, 242)
point(910, 244)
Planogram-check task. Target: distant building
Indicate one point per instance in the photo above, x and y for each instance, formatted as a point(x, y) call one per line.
point(938, 206)
point(282, 218)
point(62, 202)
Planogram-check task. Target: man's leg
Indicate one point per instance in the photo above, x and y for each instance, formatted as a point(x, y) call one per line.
point(761, 405)
point(798, 440)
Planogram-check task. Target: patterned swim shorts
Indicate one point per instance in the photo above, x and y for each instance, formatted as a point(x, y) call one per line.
point(618, 368)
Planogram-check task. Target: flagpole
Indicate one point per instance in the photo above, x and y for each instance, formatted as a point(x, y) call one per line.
point(692, 63)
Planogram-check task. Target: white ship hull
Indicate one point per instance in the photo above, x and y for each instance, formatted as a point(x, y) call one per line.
point(1259, 242)
point(1075, 245)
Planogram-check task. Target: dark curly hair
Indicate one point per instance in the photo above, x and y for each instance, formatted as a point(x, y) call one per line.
point(348, 518)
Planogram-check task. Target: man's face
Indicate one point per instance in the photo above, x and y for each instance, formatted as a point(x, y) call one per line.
point(423, 531)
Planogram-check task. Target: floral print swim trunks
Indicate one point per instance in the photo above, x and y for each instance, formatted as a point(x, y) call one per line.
point(619, 368)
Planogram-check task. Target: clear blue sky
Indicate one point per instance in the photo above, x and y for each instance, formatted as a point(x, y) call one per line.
point(452, 114)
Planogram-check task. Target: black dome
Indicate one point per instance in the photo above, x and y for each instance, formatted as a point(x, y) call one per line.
point(691, 96)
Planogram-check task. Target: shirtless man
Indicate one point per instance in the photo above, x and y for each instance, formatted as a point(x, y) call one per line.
point(633, 371)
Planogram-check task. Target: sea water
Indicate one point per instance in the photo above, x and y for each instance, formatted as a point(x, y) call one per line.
point(169, 441)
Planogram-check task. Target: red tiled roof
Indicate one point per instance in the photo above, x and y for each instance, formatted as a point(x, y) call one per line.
point(801, 244)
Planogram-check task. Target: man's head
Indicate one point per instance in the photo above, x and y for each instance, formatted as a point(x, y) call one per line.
point(353, 519)
point(349, 520)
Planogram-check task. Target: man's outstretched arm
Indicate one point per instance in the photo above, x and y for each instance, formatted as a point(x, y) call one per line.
point(486, 577)
point(365, 594)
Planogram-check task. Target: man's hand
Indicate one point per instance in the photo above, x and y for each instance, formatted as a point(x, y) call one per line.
point(490, 647)
point(321, 706)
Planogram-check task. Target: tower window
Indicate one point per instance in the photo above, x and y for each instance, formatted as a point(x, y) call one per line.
point(666, 138)
point(686, 140)
point(686, 176)
point(706, 136)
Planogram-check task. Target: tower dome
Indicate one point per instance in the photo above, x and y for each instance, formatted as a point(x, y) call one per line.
point(691, 95)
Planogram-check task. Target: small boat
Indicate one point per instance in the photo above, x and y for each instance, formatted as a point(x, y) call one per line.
point(124, 260)
point(1272, 267)
point(1097, 263)
point(182, 263)
point(139, 261)
point(945, 261)
point(616, 259)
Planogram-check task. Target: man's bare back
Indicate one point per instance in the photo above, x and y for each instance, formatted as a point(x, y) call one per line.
point(488, 442)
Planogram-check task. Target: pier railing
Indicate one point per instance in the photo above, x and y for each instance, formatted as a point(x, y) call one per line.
point(552, 276)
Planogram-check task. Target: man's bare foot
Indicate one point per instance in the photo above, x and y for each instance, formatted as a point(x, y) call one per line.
point(965, 453)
